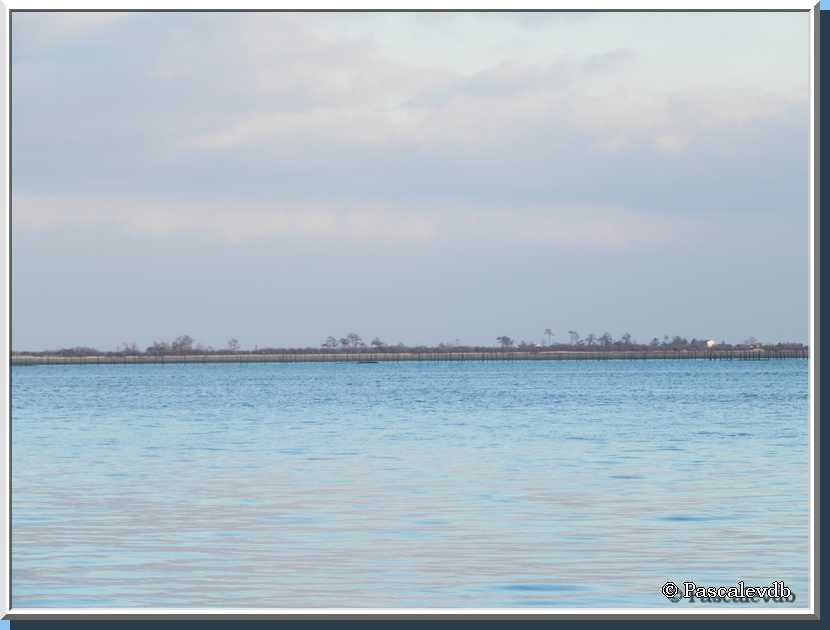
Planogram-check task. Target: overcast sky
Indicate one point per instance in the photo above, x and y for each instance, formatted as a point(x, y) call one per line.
point(418, 177)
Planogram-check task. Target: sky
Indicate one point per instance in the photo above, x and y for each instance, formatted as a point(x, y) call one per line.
point(417, 177)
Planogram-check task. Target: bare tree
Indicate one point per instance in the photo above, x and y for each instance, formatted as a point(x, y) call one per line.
point(330, 343)
point(355, 341)
point(505, 341)
point(590, 339)
point(128, 348)
point(182, 344)
point(606, 339)
point(626, 339)
point(377, 343)
point(233, 344)
point(158, 347)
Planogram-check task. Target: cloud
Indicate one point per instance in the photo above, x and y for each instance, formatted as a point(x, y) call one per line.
point(287, 84)
point(295, 90)
point(236, 223)
point(314, 111)
point(507, 108)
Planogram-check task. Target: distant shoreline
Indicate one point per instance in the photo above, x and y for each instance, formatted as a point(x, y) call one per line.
point(391, 356)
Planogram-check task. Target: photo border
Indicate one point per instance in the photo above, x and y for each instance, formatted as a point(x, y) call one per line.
point(811, 612)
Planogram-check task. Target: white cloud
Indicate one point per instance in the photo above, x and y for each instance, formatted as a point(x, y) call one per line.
point(291, 88)
point(600, 227)
point(220, 97)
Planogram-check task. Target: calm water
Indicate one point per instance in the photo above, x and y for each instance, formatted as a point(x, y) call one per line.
point(586, 483)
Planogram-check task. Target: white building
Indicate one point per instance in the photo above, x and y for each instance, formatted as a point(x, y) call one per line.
point(711, 343)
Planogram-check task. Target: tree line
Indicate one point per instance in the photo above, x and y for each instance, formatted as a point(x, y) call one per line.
point(353, 342)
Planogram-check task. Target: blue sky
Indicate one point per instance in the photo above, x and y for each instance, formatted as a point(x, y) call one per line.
point(420, 177)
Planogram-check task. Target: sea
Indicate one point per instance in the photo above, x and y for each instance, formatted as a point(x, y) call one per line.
point(429, 485)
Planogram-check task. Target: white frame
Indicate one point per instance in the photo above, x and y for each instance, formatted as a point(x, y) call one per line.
point(810, 611)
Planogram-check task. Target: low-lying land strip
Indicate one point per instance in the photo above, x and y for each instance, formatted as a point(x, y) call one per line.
point(384, 356)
